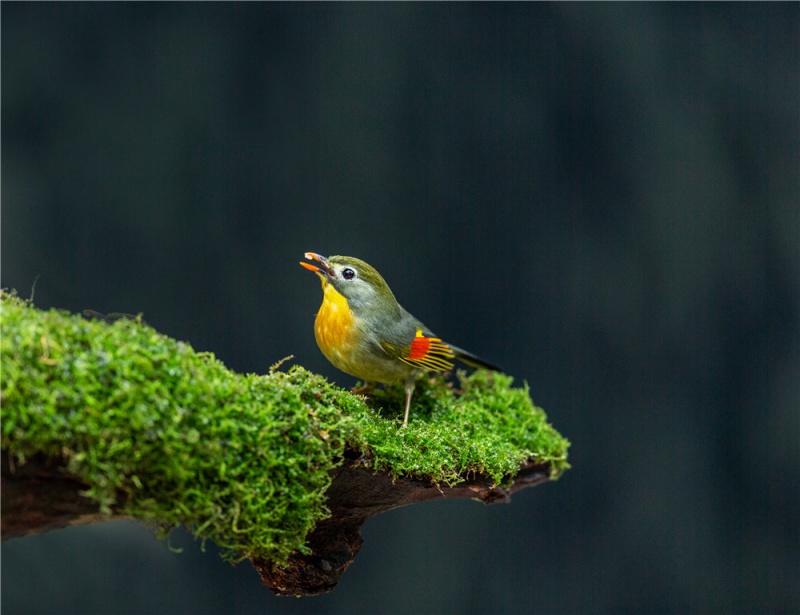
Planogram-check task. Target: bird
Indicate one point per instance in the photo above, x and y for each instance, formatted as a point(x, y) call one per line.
point(363, 331)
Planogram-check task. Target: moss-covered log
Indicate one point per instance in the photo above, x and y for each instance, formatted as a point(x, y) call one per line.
point(102, 421)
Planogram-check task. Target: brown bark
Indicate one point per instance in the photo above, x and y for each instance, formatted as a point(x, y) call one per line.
point(40, 496)
point(355, 495)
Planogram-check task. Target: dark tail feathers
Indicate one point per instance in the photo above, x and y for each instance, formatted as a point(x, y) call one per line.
point(473, 361)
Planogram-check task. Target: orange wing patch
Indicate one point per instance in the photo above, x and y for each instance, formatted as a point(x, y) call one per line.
point(429, 353)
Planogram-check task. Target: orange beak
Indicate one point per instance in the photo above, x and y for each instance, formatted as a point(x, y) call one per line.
point(326, 268)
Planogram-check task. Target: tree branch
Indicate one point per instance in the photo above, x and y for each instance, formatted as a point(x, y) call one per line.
point(40, 496)
point(103, 422)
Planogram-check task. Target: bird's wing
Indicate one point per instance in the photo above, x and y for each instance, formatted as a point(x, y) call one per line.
point(424, 351)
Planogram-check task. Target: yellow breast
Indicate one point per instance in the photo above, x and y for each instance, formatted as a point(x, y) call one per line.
point(344, 341)
point(334, 328)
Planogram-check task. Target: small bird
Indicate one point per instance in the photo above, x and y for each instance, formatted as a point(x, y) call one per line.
point(365, 332)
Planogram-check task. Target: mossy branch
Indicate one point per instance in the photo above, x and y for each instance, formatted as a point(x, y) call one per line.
point(107, 420)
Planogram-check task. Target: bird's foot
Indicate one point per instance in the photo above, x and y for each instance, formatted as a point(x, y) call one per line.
point(363, 390)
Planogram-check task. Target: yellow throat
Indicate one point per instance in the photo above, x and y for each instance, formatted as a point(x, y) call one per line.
point(334, 327)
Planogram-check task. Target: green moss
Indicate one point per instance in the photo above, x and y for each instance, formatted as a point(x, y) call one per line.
point(175, 438)
point(491, 428)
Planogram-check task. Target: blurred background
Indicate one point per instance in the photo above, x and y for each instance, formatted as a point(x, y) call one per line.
point(604, 199)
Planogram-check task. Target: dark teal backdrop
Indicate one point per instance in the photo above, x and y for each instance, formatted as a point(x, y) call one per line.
point(602, 198)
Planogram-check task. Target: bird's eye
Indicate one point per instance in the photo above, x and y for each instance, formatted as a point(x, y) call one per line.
point(348, 274)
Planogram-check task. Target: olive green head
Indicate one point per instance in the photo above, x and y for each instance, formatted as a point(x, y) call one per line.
point(355, 280)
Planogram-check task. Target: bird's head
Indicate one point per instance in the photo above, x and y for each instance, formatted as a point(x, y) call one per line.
point(354, 279)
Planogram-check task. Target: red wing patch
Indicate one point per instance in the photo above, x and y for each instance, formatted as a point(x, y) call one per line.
point(419, 348)
point(429, 353)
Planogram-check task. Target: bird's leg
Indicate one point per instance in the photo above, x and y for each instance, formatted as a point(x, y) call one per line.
point(367, 388)
point(409, 393)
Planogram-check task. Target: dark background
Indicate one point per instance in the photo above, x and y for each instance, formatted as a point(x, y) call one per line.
point(602, 198)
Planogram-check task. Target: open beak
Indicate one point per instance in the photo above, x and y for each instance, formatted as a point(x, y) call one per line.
point(325, 266)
